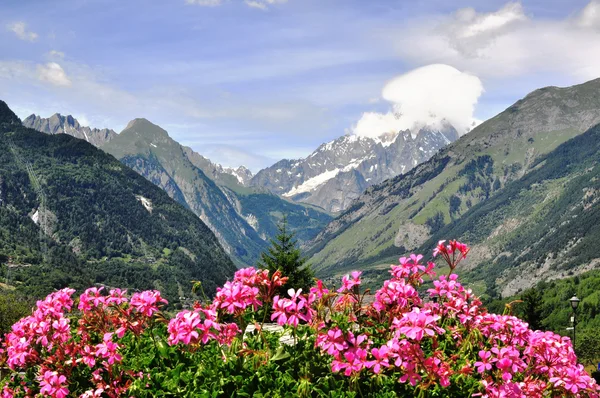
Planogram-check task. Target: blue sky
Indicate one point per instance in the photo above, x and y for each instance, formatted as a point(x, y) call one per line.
point(253, 81)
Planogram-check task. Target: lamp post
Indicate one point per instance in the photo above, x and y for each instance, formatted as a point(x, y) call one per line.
point(574, 304)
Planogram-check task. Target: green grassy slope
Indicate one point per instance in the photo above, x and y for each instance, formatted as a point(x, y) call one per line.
point(544, 225)
point(402, 213)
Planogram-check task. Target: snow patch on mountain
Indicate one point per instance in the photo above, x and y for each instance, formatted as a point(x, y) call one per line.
point(312, 183)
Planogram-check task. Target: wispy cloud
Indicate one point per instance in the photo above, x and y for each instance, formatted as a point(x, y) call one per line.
point(54, 74)
point(56, 54)
point(205, 3)
point(260, 4)
point(263, 4)
point(20, 29)
point(506, 42)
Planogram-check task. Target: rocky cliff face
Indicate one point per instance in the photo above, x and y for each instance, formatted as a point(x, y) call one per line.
point(59, 124)
point(339, 171)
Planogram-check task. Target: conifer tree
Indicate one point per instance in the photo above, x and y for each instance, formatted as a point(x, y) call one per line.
point(284, 255)
point(532, 308)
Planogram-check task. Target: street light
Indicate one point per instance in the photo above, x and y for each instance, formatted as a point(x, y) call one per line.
point(574, 304)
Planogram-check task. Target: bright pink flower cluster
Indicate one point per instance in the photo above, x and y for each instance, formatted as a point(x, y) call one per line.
point(350, 281)
point(58, 349)
point(453, 253)
point(290, 311)
point(542, 362)
point(248, 287)
point(443, 339)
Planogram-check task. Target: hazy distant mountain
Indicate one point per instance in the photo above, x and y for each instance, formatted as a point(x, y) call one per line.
point(339, 171)
point(59, 124)
point(215, 171)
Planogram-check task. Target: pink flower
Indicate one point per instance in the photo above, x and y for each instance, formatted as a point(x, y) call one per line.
point(91, 298)
point(453, 253)
point(117, 297)
point(108, 349)
point(319, 291)
point(380, 356)
point(227, 333)
point(484, 364)
point(573, 379)
point(353, 362)
point(350, 281)
point(416, 324)
point(183, 327)
point(147, 302)
point(235, 297)
point(291, 311)
point(332, 342)
point(53, 384)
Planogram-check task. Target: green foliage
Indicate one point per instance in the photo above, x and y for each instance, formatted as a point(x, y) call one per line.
point(455, 203)
point(285, 256)
point(436, 222)
point(531, 309)
point(588, 346)
point(13, 306)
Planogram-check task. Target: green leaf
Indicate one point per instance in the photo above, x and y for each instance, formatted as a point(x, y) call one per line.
point(280, 355)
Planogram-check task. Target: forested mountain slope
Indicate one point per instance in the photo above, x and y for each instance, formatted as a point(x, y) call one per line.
point(243, 218)
point(544, 226)
point(70, 214)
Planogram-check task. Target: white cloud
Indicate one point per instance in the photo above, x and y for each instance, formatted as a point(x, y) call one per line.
point(260, 4)
point(56, 54)
point(83, 120)
point(589, 17)
point(20, 29)
point(53, 73)
point(506, 42)
point(205, 3)
point(263, 4)
point(429, 96)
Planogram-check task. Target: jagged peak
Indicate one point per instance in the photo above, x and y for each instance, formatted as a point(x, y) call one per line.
point(146, 128)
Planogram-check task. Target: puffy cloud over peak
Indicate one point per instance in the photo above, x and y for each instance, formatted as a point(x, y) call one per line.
point(426, 96)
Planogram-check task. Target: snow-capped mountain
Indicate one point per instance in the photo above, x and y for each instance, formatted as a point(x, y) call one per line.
point(339, 171)
point(59, 124)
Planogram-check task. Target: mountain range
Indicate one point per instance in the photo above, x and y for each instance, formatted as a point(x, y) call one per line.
point(520, 188)
point(73, 215)
point(59, 124)
point(243, 218)
point(339, 171)
point(507, 188)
